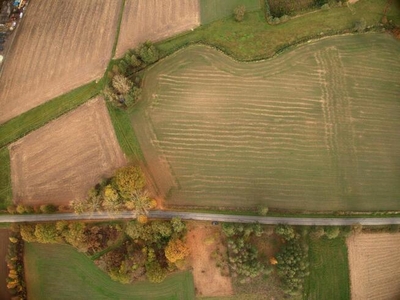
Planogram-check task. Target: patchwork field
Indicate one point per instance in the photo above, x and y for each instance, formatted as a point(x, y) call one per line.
point(60, 272)
point(59, 46)
point(374, 266)
point(153, 20)
point(212, 10)
point(61, 161)
point(4, 294)
point(329, 270)
point(315, 128)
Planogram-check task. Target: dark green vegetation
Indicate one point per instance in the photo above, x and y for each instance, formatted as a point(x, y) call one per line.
point(313, 129)
point(5, 179)
point(127, 252)
point(329, 270)
point(212, 10)
point(38, 116)
point(60, 272)
point(254, 39)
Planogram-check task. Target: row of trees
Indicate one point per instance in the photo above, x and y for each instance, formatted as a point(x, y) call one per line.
point(28, 209)
point(126, 190)
point(124, 89)
point(14, 259)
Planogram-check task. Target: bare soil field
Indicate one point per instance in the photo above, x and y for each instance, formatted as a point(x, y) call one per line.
point(315, 128)
point(374, 266)
point(155, 20)
point(61, 161)
point(4, 294)
point(203, 240)
point(60, 45)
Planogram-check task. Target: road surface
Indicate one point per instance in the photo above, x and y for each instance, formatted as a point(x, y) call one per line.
point(157, 214)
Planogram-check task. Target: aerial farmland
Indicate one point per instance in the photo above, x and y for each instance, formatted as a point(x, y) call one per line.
point(199, 149)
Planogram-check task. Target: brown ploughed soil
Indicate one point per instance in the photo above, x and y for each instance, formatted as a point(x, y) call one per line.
point(202, 240)
point(60, 45)
point(374, 261)
point(61, 161)
point(153, 20)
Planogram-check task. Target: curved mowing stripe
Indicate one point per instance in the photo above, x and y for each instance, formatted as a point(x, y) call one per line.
point(316, 128)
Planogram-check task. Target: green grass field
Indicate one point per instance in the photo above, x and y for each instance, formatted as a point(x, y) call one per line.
point(5, 179)
point(212, 10)
point(329, 271)
point(59, 272)
point(315, 128)
point(255, 39)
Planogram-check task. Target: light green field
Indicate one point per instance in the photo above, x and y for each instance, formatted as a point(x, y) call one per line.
point(316, 128)
point(59, 272)
point(5, 179)
point(211, 10)
point(329, 271)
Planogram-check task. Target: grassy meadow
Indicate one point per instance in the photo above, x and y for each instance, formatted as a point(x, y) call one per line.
point(212, 10)
point(329, 270)
point(5, 179)
point(60, 272)
point(255, 39)
point(315, 128)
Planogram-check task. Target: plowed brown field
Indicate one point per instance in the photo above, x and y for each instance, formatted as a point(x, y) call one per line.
point(62, 160)
point(60, 45)
point(374, 266)
point(155, 20)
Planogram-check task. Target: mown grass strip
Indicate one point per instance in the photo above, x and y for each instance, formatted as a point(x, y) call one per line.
point(5, 179)
point(329, 270)
point(40, 115)
point(124, 132)
point(60, 272)
point(255, 39)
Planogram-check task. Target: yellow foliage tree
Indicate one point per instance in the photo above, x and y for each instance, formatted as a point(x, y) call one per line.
point(176, 250)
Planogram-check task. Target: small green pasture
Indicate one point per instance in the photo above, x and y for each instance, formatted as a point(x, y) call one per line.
point(329, 270)
point(212, 10)
point(60, 272)
point(5, 179)
point(255, 39)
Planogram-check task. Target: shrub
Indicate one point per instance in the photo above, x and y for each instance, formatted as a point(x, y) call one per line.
point(239, 13)
point(155, 273)
point(284, 18)
point(148, 53)
point(121, 84)
point(48, 208)
point(360, 25)
point(325, 7)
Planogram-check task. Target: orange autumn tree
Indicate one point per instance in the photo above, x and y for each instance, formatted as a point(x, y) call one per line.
point(176, 250)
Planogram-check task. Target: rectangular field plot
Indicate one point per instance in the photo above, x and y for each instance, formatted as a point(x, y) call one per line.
point(61, 272)
point(316, 128)
point(153, 20)
point(374, 266)
point(59, 46)
point(61, 161)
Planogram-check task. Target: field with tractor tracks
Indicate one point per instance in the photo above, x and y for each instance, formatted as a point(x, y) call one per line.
point(59, 46)
point(62, 160)
point(154, 20)
point(374, 261)
point(315, 128)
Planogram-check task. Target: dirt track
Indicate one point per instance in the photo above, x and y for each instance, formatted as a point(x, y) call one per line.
point(62, 160)
point(60, 45)
point(374, 266)
point(154, 20)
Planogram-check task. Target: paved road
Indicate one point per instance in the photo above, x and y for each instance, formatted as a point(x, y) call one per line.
point(201, 216)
